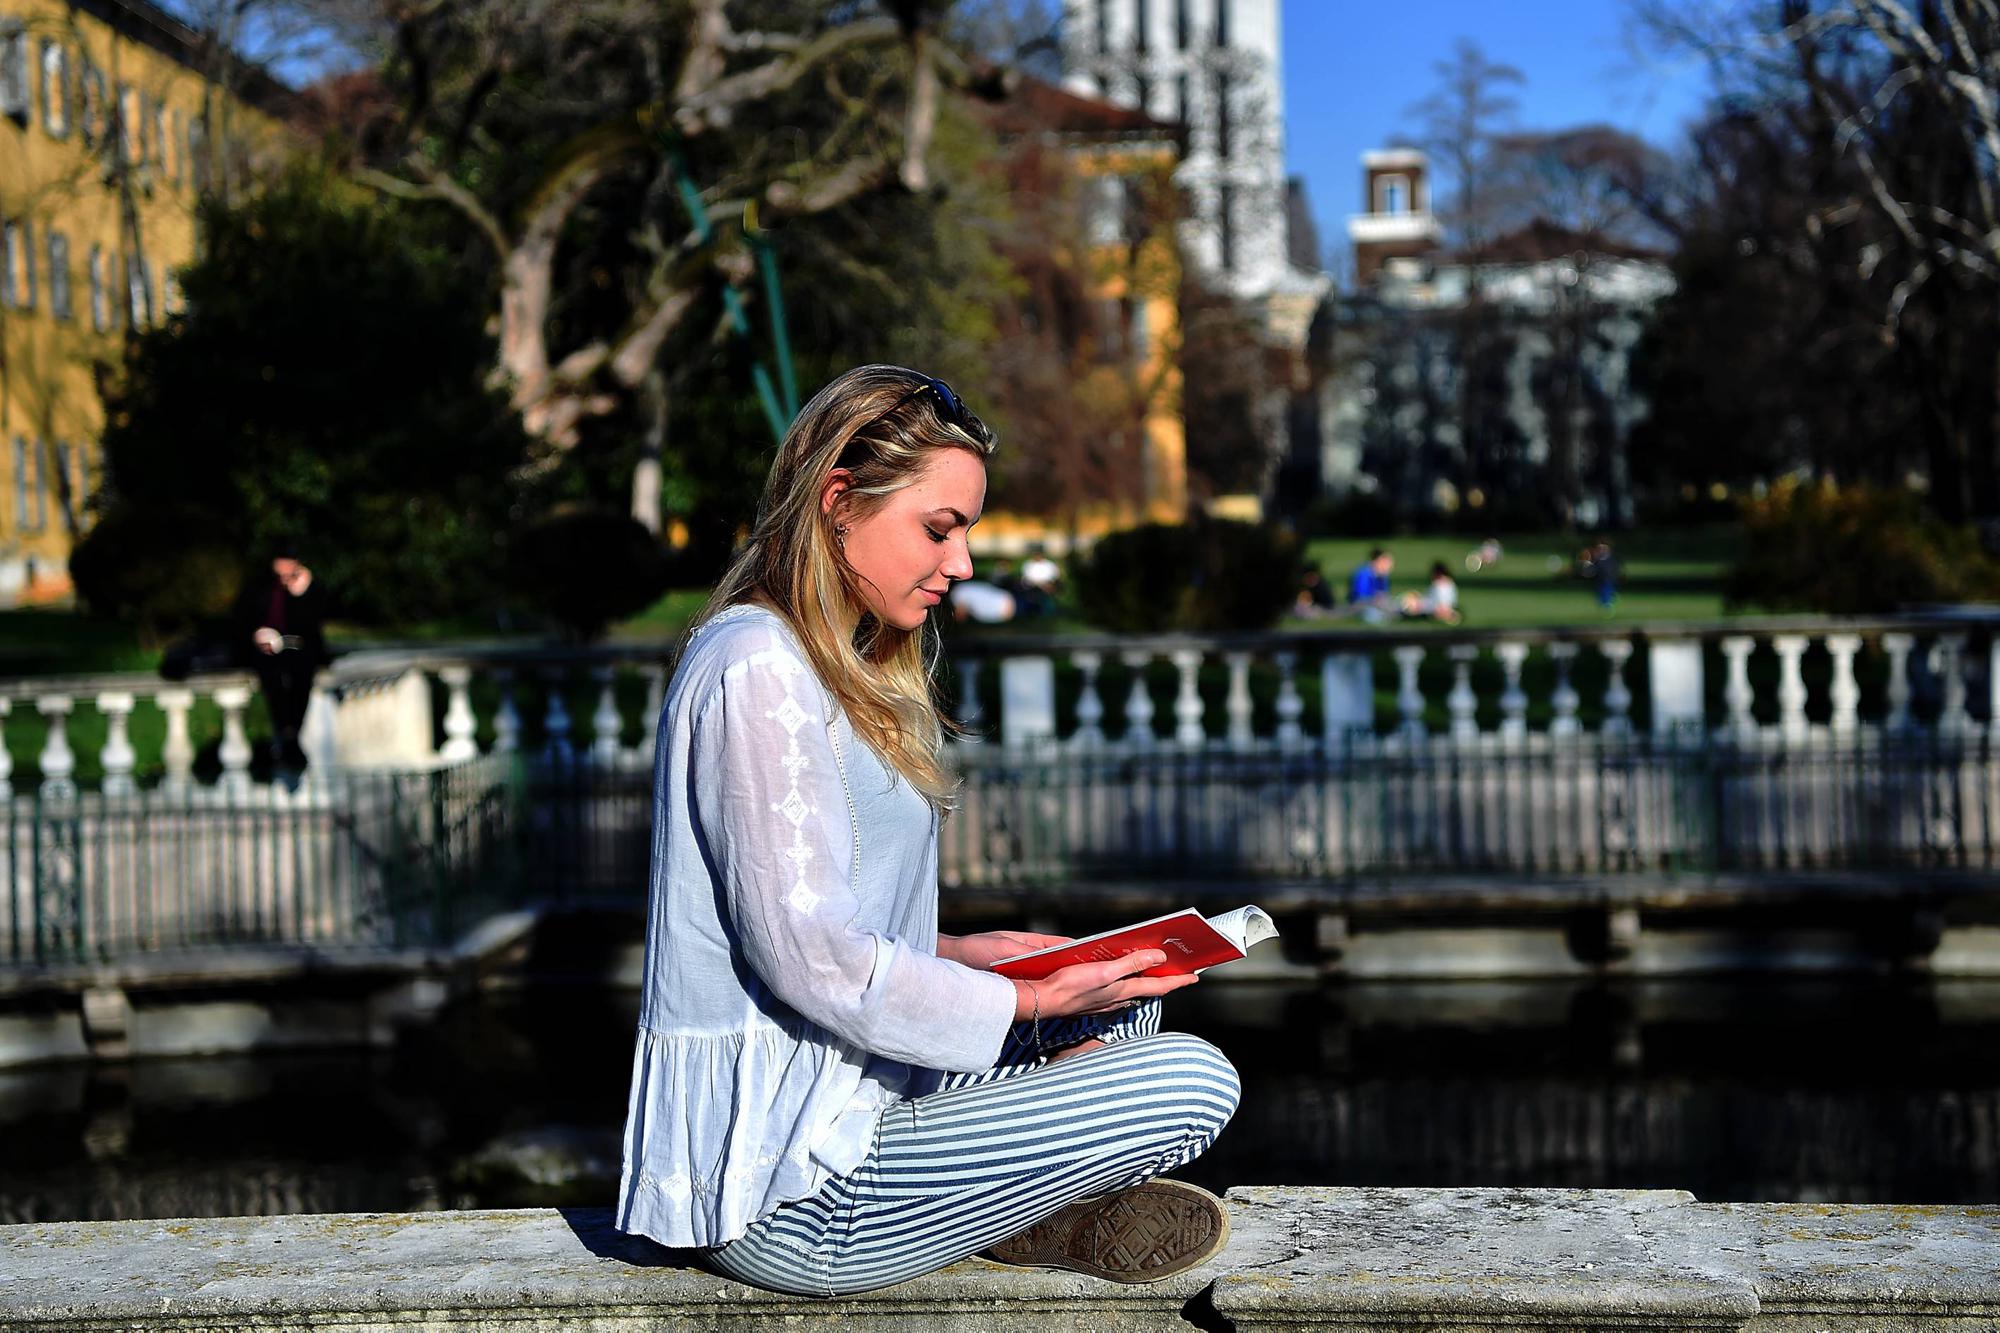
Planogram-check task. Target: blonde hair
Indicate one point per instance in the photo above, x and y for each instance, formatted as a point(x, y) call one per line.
point(883, 424)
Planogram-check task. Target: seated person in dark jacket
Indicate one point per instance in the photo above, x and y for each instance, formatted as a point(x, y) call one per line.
point(281, 619)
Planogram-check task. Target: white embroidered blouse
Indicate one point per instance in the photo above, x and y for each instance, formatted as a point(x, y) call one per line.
point(791, 988)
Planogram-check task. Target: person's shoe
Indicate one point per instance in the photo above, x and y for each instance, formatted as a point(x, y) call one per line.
point(1143, 1234)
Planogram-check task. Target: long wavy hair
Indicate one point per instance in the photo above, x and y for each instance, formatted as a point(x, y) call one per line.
point(868, 422)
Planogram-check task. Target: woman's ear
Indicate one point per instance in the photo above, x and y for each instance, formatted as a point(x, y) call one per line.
point(838, 483)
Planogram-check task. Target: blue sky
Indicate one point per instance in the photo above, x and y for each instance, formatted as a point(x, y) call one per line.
point(1352, 70)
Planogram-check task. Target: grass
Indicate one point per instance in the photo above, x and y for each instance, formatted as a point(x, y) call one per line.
point(1668, 575)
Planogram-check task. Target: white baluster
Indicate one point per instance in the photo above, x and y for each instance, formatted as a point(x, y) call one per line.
point(1736, 694)
point(1513, 699)
point(1563, 698)
point(1950, 659)
point(1410, 698)
point(971, 713)
point(235, 750)
point(605, 723)
point(1238, 705)
point(1845, 688)
point(1089, 705)
point(58, 761)
point(1138, 703)
point(555, 720)
point(506, 718)
point(459, 724)
point(177, 751)
point(1461, 703)
point(1898, 645)
point(6, 755)
point(117, 756)
point(1290, 707)
point(1617, 695)
point(1791, 650)
point(1188, 732)
point(656, 699)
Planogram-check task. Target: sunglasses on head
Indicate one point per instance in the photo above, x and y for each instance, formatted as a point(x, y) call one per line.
point(949, 405)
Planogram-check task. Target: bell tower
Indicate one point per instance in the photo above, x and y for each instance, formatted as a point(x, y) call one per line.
point(1398, 223)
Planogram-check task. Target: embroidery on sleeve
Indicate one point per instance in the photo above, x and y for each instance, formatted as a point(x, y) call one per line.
point(795, 807)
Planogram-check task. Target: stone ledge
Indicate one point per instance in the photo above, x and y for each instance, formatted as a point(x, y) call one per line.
point(1364, 1260)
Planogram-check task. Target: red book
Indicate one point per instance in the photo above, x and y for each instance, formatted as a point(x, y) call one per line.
point(1190, 941)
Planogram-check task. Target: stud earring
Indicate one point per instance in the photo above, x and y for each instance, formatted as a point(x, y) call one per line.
point(840, 535)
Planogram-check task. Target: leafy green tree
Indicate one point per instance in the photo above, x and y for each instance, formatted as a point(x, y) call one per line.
point(325, 387)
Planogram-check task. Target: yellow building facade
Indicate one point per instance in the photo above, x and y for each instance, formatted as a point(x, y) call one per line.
point(115, 120)
point(1117, 161)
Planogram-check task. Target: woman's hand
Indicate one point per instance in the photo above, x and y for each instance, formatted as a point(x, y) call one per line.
point(984, 950)
point(1096, 988)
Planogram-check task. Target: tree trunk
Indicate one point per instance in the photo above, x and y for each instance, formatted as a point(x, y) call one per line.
point(646, 477)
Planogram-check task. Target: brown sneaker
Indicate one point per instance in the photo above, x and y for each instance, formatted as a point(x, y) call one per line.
point(1146, 1233)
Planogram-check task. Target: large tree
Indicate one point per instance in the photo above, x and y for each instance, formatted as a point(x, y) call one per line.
point(633, 121)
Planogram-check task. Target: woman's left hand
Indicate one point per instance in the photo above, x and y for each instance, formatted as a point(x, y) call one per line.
point(984, 950)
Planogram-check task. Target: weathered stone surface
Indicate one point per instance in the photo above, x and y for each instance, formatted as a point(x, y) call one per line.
point(517, 1271)
point(1366, 1261)
point(1873, 1268)
point(1468, 1259)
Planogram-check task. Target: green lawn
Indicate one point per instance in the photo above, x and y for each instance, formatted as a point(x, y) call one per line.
point(1668, 575)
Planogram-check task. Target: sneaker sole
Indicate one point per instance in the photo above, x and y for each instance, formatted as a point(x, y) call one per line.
point(1143, 1234)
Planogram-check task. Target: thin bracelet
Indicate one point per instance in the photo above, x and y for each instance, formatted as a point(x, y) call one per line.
point(1035, 1021)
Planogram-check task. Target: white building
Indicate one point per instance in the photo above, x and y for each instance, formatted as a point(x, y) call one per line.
point(1217, 67)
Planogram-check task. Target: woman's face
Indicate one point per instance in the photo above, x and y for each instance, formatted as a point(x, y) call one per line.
point(913, 548)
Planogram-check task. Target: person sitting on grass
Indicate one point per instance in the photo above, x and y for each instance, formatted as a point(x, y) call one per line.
point(1368, 596)
point(1439, 601)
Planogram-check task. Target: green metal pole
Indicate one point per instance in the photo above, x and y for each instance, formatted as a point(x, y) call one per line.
point(781, 340)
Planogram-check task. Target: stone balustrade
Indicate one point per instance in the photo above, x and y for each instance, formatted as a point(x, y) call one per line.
point(1932, 673)
point(1369, 1260)
point(55, 699)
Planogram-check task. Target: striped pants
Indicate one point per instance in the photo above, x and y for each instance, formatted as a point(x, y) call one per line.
point(990, 1154)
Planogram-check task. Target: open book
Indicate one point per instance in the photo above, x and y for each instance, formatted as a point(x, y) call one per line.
point(1190, 941)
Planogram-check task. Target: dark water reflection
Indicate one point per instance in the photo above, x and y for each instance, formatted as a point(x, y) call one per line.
point(1834, 1091)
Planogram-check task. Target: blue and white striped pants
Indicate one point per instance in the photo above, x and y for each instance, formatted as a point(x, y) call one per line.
point(990, 1154)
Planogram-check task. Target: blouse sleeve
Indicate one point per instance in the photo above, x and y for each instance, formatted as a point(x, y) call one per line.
point(772, 804)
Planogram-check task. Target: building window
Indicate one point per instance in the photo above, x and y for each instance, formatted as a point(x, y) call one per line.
point(65, 483)
point(1181, 107)
point(1225, 225)
point(1392, 194)
point(20, 484)
point(80, 479)
point(130, 124)
point(156, 136)
point(1145, 87)
point(1223, 129)
point(138, 293)
point(14, 93)
point(17, 283)
point(1104, 27)
point(59, 300)
point(178, 140)
point(90, 108)
point(197, 145)
point(41, 458)
point(100, 291)
point(1222, 22)
point(1182, 35)
point(1142, 332)
point(55, 89)
point(1139, 42)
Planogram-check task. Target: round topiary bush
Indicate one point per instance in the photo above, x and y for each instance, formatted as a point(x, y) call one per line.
point(1206, 575)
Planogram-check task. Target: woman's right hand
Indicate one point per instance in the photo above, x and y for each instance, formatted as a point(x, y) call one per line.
point(1096, 988)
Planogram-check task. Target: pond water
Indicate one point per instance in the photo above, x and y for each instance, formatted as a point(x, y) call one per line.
point(1834, 1091)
